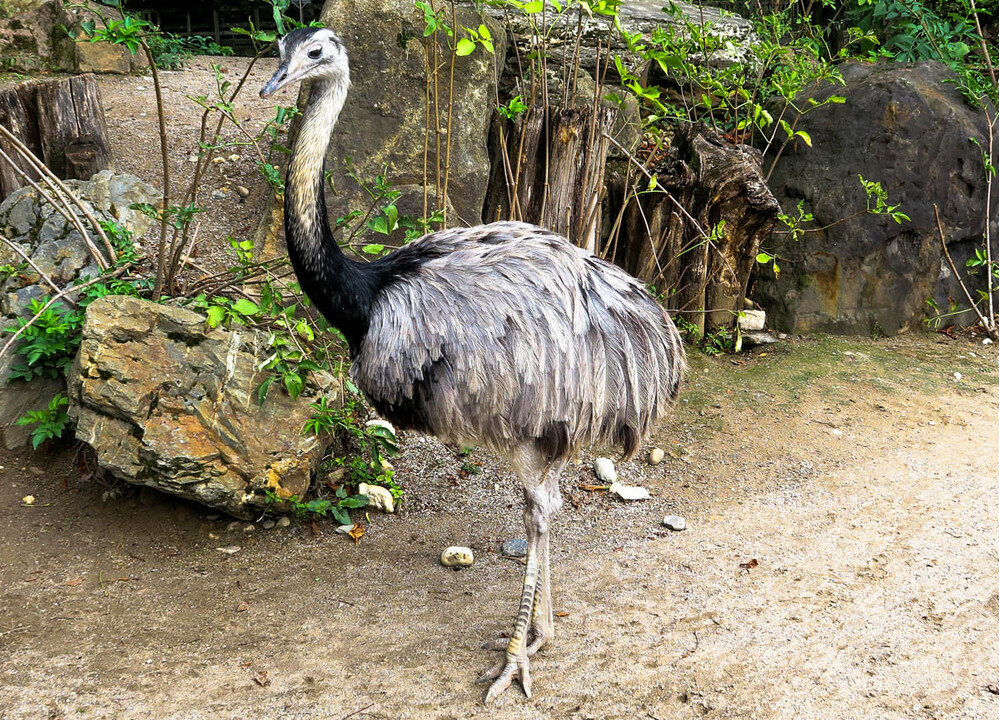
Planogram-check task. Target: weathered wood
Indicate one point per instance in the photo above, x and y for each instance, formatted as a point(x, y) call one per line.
point(72, 128)
point(697, 241)
point(62, 122)
point(555, 160)
point(17, 115)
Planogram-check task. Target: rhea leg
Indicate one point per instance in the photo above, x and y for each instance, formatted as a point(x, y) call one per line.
point(541, 502)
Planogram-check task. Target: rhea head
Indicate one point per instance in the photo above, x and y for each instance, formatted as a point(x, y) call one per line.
point(308, 53)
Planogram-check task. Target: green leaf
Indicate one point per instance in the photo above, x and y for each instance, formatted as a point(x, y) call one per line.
point(246, 307)
point(264, 387)
point(763, 258)
point(341, 516)
point(464, 47)
point(216, 313)
point(294, 384)
point(530, 8)
point(373, 249)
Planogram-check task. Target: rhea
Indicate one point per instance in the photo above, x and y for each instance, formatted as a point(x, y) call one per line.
point(504, 335)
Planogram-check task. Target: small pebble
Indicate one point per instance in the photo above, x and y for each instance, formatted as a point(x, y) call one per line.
point(516, 547)
point(213, 517)
point(234, 525)
point(456, 556)
point(656, 456)
point(675, 522)
point(229, 549)
point(629, 492)
point(268, 524)
point(28, 500)
point(244, 192)
point(958, 376)
point(604, 468)
point(284, 521)
point(379, 498)
point(987, 341)
point(249, 527)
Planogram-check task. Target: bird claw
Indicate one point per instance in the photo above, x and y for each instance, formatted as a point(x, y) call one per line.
point(503, 674)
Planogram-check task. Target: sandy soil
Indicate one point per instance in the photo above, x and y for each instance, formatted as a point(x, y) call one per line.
point(841, 558)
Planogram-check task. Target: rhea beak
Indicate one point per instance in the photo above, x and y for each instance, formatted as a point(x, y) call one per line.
point(277, 81)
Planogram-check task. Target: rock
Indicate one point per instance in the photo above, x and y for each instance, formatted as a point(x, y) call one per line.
point(755, 339)
point(229, 549)
point(675, 522)
point(987, 341)
point(234, 525)
point(957, 377)
point(379, 498)
point(629, 492)
point(752, 320)
point(283, 521)
point(383, 121)
point(457, 556)
point(168, 404)
point(268, 524)
point(656, 456)
point(908, 127)
point(33, 38)
point(28, 500)
point(243, 192)
point(249, 527)
point(604, 469)
point(516, 547)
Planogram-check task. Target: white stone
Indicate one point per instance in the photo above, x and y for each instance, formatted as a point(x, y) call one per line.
point(675, 522)
point(958, 376)
point(604, 469)
point(987, 341)
point(268, 524)
point(28, 500)
point(379, 498)
point(284, 521)
point(457, 556)
point(656, 456)
point(752, 320)
point(345, 529)
point(229, 549)
point(629, 492)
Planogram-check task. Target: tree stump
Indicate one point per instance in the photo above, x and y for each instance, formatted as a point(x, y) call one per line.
point(697, 241)
point(553, 171)
point(62, 122)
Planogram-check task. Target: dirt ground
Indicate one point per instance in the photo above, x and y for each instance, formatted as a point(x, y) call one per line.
point(841, 558)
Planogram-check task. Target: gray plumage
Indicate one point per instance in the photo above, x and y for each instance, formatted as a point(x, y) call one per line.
point(505, 335)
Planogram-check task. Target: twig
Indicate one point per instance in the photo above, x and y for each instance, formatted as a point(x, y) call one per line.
point(13, 246)
point(990, 329)
point(358, 712)
point(54, 182)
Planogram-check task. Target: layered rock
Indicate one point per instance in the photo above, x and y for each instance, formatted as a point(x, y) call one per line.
point(58, 250)
point(168, 404)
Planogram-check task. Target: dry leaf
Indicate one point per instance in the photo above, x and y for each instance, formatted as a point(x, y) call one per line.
point(261, 679)
point(246, 665)
point(357, 532)
point(561, 614)
point(591, 488)
point(74, 583)
point(315, 528)
point(243, 607)
point(751, 564)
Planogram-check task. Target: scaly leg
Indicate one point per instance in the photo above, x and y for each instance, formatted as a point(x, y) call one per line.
point(542, 500)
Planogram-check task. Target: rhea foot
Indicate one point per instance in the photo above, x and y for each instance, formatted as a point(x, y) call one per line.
point(504, 672)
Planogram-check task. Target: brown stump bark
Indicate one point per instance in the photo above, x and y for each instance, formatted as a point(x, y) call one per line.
point(553, 171)
point(62, 122)
point(702, 267)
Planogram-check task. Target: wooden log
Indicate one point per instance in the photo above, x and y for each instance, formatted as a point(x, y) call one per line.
point(697, 242)
point(17, 114)
point(72, 128)
point(553, 171)
point(62, 122)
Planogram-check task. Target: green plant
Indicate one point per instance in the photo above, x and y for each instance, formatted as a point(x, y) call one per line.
point(48, 344)
point(49, 423)
point(337, 507)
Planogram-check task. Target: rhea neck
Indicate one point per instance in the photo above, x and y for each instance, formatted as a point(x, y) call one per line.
point(343, 290)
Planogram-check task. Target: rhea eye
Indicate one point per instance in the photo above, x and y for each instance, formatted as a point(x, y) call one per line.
point(314, 53)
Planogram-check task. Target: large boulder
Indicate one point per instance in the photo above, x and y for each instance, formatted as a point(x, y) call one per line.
point(169, 404)
point(909, 128)
point(57, 249)
point(383, 125)
point(33, 36)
